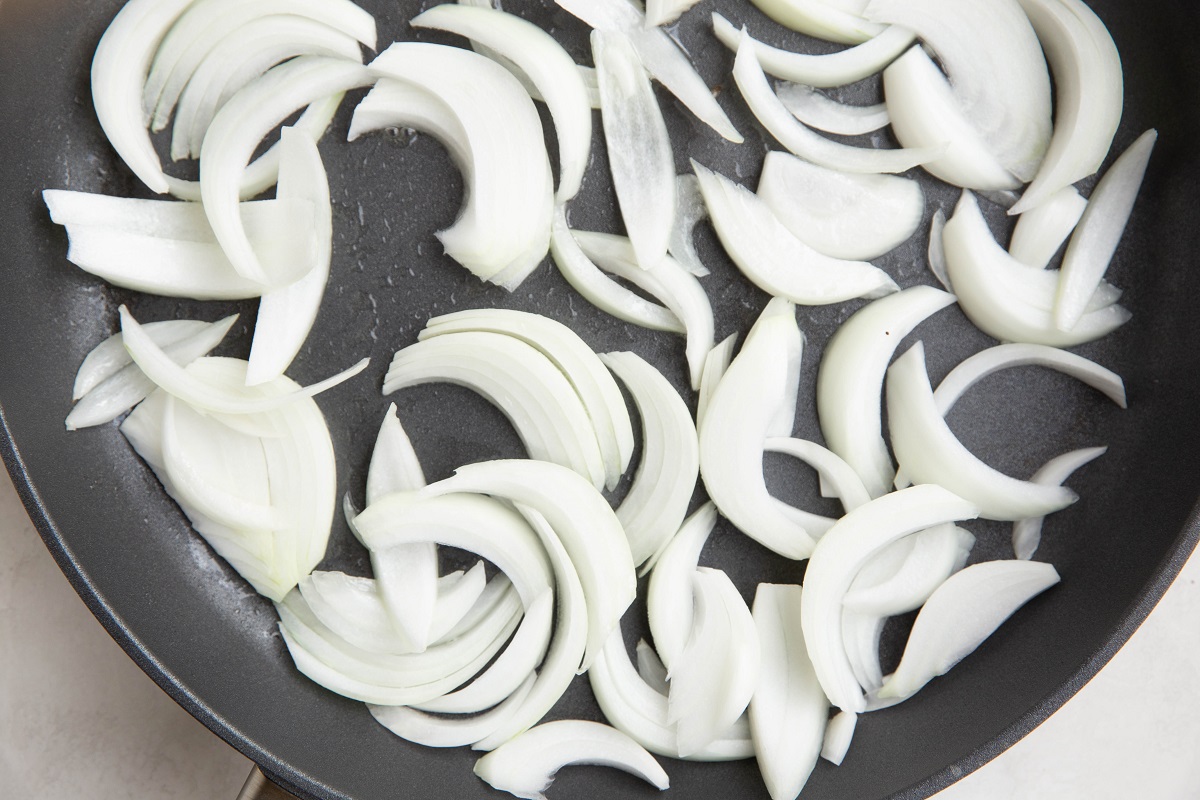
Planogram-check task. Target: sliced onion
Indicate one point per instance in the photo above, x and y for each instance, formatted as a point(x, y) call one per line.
point(839, 556)
point(669, 594)
point(841, 214)
point(1027, 533)
point(773, 258)
point(110, 356)
point(823, 71)
point(960, 615)
point(838, 479)
point(937, 250)
point(822, 112)
point(715, 365)
point(689, 210)
point(1041, 230)
point(664, 12)
point(526, 766)
point(788, 711)
point(662, 488)
point(1089, 94)
point(860, 636)
point(935, 555)
point(821, 19)
point(651, 668)
point(850, 382)
point(802, 140)
point(838, 735)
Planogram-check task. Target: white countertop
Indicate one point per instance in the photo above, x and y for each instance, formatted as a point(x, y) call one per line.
point(79, 720)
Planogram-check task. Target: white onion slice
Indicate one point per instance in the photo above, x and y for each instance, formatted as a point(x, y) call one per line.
point(996, 68)
point(821, 19)
point(817, 110)
point(526, 766)
point(717, 671)
point(929, 452)
point(546, 65)
point(960, 615)
point(667, 281)
point(394, 464)
point(715, 365)
point(935, 555)
point(823, 71)
point(580, 516)
point(838, 479)
point(1100, 230)
point(788, 711)
point(841, 214)
point(937, 250)
point(838, 735)
point(924, 112)
point(1041, 230)
point(860, 636)
point(601, 291)
point(638, 146)
point(110, 356)
point(850, 382)
point(599, 393)
point(839, 556)
point(664, 12)
point(988, 283)
point(669, 592)
point(689, 211)
point(663, 58)
point(745, 410)
point(662, 488)
point(807, 143)
point(1089, 94)
point(521, 381)
point(1027, 533)
point(773, 258)
point(439, 731)
point(651, 668)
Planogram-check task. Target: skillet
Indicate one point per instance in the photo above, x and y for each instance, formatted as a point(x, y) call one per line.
point(200, 632)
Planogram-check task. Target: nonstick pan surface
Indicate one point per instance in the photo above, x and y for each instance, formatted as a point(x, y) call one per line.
point(211, 643)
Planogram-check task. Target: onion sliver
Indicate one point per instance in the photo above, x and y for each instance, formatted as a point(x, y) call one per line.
point(935, 555)
point(669, 593)
point(838, 479)
point(651, 668)
point(715, 364)
point(440, 731)
point(1027, 533)
point(526, 765)
point(788, 711)
point(850, 381)
point(1089, 94)
point(987, 279)
point(996, 69)
point(823, 71)
point(805, 142)
point(1100, 230)
point(860, 636)
point(773, 258)
point(236, 131)
point(394, 464)
point(521, 381)
point(546, 64)
point(110, 356)
point(839, 556)
point(960, 615)
point(822, 112)
point(1041, 230)
point(662, 488)
point(937, 250)
point(929, 452)
point(841, 214)
point(689, 210)
point(838, 735)
point(821, 19)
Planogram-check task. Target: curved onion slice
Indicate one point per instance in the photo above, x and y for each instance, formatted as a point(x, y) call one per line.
point(651, 668)
point(929, 452)
point(663, 58)
point(937, 250)
point(638, 146)
point(580, 516)
point(526, 766)
point(599, 393)
point(667, 281)
point(749, 405)
point(773, 258)
point(662, 488)
point(839, 556)
point(545, 63)
point(504, 230)
point(439, 731)
point(601, 291)
point(1027, 533)
point(838, 735)
point(109, 384)
point(841, 214)
point(1100, 230)
point(788, 711)
point(860, 635)
point(1041, 230)
point(805, 142)
point(1089, 94)
point(924, 112)
point(715, 676)
point(823, 71)
point(669, 595)
point(689, 211)
point(988, 283)
point(996, 69)
point(935, 554)
point(521, 381)
point(822, 112)
point(821, 19)
point(850, 380)
point(838, 479)
point(237, 130)
point(960, 615)
point(715, 365)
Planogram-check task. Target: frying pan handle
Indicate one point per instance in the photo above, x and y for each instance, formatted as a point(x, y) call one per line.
point(260, 787)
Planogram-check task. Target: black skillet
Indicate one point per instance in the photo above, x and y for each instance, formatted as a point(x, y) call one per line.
point(188, 620)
